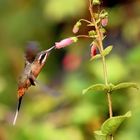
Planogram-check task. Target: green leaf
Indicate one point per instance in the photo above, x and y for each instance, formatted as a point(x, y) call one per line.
point(111, 125)
point(96, 87)
point(110, 87)
point(107, 50)
point(95, 57)
point(125, 85)
point(99, 135)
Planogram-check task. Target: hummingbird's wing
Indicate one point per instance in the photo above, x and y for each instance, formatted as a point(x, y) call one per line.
point(31, 51)
point(32, 79)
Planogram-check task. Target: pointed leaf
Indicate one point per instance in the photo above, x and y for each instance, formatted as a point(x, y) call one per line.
point(96, 87)
point(95, 57)
point(107, 50)
point(112, 124)
point(99, 135)
point(125, 85)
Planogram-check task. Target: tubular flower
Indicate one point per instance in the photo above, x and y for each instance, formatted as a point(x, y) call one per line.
point(65, 42)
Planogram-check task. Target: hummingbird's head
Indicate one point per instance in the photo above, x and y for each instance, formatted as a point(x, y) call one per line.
point(41, 57)
point(31, 51)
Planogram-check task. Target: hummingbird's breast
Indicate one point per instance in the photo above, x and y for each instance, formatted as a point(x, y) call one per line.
point(38, 63)
point(36, 68)
point(30, 73)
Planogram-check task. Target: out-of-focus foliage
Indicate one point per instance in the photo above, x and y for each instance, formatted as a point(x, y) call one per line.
point(68, 9)
point(67, 114)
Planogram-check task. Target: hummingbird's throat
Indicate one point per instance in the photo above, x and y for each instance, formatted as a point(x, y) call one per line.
point(42, 58)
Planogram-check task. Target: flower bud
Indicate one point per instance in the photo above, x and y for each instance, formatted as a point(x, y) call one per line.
point(65, 42)
point(102, 30)
point(92, 33)
point(76, 27)
point(96, 2)
point(93, 50)
point(104, 21)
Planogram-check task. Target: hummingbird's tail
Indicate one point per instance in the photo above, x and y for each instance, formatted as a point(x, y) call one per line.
point(17, 110)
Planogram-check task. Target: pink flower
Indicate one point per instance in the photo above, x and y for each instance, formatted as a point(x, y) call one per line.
point(104, 21)
point(93, 50)
point(71, 62)
point(75, 29)
point(65, 42)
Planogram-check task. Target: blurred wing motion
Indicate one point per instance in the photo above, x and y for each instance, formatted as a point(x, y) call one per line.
point(31, 51)
point(47, 89)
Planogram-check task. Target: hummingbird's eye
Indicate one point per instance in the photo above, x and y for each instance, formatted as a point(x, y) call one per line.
point(42, 58)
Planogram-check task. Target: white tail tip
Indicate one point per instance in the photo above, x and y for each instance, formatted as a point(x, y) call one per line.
point(15, 118)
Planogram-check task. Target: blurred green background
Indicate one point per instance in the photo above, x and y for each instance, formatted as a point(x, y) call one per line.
point(67, 114)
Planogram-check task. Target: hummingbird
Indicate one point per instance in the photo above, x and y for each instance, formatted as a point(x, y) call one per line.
point(34, 62)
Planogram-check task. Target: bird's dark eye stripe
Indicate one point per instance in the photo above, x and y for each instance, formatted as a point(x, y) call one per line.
point(42, 58)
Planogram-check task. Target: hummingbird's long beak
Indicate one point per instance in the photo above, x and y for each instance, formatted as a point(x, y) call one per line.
point(17, 110)
point(48, 50)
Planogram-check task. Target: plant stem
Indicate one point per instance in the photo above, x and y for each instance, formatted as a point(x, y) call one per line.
point(85, 21)
point(84, 36)
point(106, 82)
point(103, 60)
